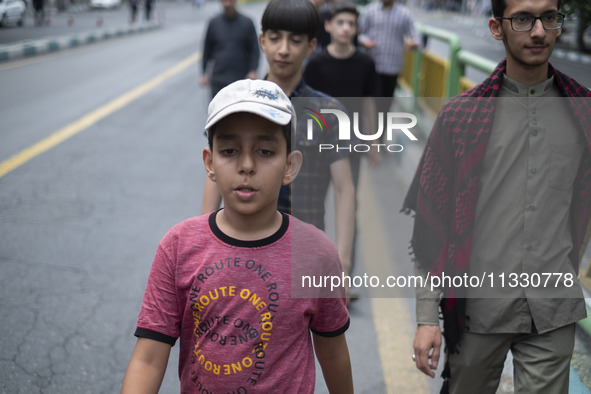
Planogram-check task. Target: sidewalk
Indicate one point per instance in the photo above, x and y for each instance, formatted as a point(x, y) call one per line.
point(52, 44)
point(78, 25)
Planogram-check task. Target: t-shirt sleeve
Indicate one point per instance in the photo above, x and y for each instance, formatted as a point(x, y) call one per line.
point(160, 317)
point(331, 319)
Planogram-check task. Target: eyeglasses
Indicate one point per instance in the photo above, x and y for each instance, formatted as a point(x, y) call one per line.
point(527, 22)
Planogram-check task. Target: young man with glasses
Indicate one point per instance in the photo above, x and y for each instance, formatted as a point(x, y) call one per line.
point(503, 192)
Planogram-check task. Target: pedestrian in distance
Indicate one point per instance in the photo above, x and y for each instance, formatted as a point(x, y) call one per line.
point(39, 9)
point(148, 6)
point(386, 29)
point(133, 6)
point(289, 28)
point(221, 283)
point(502, 191)
point(230, 49)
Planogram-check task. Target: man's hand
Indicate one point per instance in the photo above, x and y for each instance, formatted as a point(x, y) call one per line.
point(368, 43)
point(427, 346)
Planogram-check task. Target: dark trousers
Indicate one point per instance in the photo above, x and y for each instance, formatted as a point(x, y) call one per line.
point(541, 362)
point(386, 86)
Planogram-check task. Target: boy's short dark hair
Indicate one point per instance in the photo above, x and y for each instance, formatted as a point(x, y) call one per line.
point(297, 16)
point(286, 133)
point(498, 7)
point(340, 7)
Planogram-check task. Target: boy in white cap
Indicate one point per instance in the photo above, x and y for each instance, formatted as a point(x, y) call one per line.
point(222, 282)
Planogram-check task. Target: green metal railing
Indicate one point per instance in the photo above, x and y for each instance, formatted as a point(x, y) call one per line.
point(457, 60)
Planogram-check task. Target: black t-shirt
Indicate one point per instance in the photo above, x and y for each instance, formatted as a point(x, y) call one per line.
point(354, 76)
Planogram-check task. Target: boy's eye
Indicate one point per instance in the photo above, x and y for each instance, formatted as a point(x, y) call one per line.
point(265, 152)
point(227, 151)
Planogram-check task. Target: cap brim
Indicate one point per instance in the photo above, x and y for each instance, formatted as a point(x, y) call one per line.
point(270, 113)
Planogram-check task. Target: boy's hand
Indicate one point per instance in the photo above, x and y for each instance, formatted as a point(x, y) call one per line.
point(368, 43)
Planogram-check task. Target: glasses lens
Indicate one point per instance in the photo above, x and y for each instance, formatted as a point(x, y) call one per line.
point(552, 21)
point(522, 22)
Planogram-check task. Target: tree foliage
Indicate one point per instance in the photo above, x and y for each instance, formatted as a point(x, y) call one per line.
point(581, 11)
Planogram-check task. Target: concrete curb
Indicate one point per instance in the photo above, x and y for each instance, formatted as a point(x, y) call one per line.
point(53, 44)
point(572, 56)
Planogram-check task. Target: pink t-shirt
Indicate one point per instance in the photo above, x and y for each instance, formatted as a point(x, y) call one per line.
point(229, 302)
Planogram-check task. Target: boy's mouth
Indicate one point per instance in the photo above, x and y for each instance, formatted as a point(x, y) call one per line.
point(282, 63)
point(245, 192)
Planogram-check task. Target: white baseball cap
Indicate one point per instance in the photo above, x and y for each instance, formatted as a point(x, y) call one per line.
point(259, 97)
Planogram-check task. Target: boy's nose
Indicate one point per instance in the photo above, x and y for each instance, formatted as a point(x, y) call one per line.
point(246, 165)
point(283, 47)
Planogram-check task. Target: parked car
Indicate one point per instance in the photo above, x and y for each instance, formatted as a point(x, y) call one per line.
point(12, 11)
point(105, 3)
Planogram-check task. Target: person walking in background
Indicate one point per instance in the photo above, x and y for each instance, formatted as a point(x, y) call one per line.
point(503, 191)
point(39, 9)
point(386, 29)
point(230, 49)
point(133, 6)
point(342, 71)
point(148, 6)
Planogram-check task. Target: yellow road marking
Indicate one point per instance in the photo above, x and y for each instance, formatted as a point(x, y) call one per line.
point(392, 321)
point(91, 118)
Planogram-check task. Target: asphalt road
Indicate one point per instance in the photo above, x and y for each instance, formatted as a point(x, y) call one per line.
point(100, 153)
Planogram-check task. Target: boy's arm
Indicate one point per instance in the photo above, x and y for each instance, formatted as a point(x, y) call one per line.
point(344, 197)
point(206, 53)
point(333, 356)
point(146, 368)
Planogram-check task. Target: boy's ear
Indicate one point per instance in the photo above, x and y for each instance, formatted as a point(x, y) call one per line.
point(262, 41)
point(327, 25)
point(294, 163)
point(496, 30)
point(311, 46)
point(207, 160)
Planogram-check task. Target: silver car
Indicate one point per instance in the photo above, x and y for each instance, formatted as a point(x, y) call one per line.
point(12, 11)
